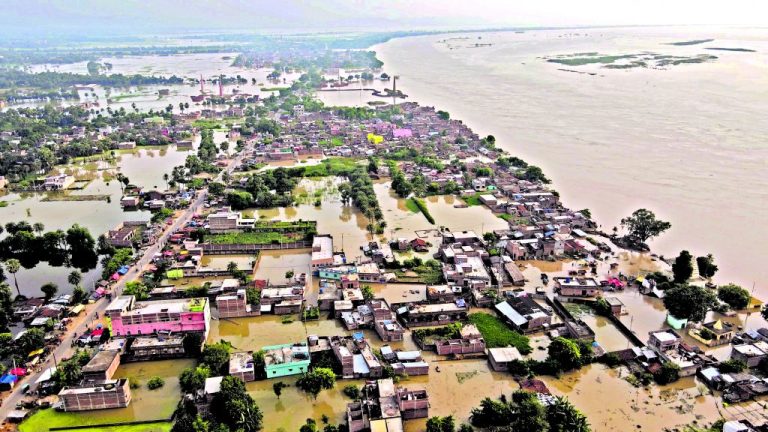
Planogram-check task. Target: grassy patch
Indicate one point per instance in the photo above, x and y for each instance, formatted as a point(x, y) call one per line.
point(497, 334)
point(335, 166)
point(580, 61)
point(253, 238)
point(411, 205)
point(48, 418)
point(472, 200)
point(3, 204)
point(420, 205)
point(463, 376)
point(506, 216)
point(206, 124)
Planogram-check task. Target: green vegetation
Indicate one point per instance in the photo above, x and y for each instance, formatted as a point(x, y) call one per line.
point(735, 296)
point(524, 412)
point(576, 60)
point(472, 200)
point(497, 334)
point(689, 302)
point(424, 210)
point(206, 123)
point(252, 238)
point(45, 419)
point(316, 380)
point(642, 225)
point(411, 205)
point(155, 383)
point(430, 336)
point(732, 366)
point(334, 166)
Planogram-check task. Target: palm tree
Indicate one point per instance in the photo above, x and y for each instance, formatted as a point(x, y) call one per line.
point(165, 177)
point(75, 278)
point(38, 227)
point(231, 267)
point(13, 266)
point(50, 289)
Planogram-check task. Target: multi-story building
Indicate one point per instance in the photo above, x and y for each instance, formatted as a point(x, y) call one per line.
point(127, 317)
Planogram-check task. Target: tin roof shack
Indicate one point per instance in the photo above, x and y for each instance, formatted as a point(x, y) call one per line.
point(470, 342)
point(94, 396)
point(751, 354)
point(516, 277)
point(421, 314)
point(101, 367)
point(571, 286)
point(713, 333)
point(162, 346)
point(524, 314)
point(241, 366)
point(356, 357)
point(500, 358)
point(285, 360)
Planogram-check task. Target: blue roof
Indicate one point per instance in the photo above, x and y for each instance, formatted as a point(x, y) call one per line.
point(8, 379)
point(358, 336)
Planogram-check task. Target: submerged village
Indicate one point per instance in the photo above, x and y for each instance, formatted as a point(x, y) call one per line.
point(379, 268)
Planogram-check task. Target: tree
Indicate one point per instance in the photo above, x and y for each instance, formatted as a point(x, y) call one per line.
point(216, 188)
point(565, 352)
point(78, 295)
point(278, 388)
point(49, 290)
point(224, 146)
point(530, 414)
point(689, 302)
point(562, 416)
point(6, 307)
point(707, 266)
point(235, 408)
point(642, 225)
point(735, 296)
point(216, 357)
point(136, 289)
point(441, 424)
point(668, 373)
point(13, 265)
point(82, 248)
point(317, 380)
point(193, 379)
point(682, 268)
point(368, 293)
point(732, 366)
point(74, 278)
point(33, 339)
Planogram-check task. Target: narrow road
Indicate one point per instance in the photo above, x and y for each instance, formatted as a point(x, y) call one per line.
point(65, 349)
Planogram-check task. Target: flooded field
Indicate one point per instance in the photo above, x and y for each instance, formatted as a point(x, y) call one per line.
point(143, 167)
point(145, 405)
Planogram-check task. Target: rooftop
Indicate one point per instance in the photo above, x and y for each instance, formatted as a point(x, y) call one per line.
point(100, 362)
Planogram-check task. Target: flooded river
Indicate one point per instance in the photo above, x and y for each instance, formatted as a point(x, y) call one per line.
point(688, 142)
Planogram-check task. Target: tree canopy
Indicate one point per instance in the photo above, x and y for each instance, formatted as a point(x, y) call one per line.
point(317, 380)
point(689, 302)
point(735, 296)
point(642, 225)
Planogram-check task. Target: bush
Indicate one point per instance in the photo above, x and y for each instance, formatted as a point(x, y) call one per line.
point(734, 295)
point(352, 391)
point(668, 373)
point(155, 383)
point(610, 360)
point(732, 366)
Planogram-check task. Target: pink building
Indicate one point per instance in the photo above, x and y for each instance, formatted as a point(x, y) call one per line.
point(131, 318)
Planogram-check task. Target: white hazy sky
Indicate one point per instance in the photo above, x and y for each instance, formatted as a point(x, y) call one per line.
point(91, 16)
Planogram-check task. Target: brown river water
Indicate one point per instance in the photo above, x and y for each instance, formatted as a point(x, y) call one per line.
point(690, 142)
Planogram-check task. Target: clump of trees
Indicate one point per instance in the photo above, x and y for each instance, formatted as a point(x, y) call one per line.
point(316, 380)
point(643, 225)
point(524, 412)
point(734, 296)
point(689, 302)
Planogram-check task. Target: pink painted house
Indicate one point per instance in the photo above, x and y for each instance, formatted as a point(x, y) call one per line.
point(128, 317)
